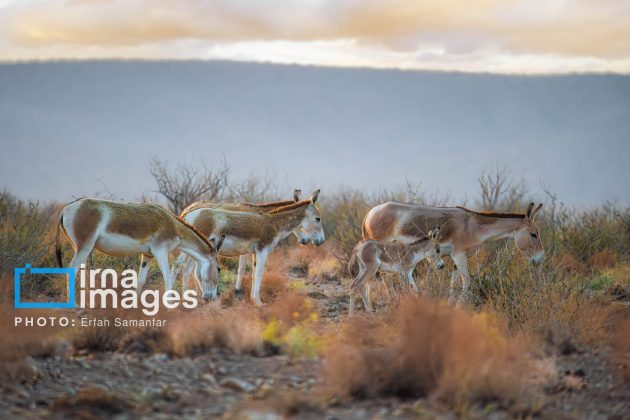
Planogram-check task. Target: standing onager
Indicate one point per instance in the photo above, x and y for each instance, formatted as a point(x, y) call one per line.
point(257, 232)
point(462, 231)
point(389, 257)
point(122, 229)
point(250, 207)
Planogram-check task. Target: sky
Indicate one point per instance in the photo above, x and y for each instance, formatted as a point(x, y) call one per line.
point(498, 36)
point(74, 129)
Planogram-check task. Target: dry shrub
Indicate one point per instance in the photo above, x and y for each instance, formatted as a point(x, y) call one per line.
point(293, 308)
point(621, 350)
point(293, 403)
point(237, 329)
point(20, 344)
point(569, 263)
point(448, 353)
point(97, 338)
point(603, 260)
point(273, 286)
point(328, 268)
point(292, 326)
point(146, 341)
point(299, 260)
point(92, 402)
point(558, 307)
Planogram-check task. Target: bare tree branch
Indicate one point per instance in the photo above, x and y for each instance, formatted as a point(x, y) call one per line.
point(187, 183)
point(498, 192)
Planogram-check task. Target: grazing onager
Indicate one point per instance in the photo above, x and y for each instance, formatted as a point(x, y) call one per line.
point(462, 231)
point(122, 229)
point(250, 207)
point(389, 257)
point(258, 232)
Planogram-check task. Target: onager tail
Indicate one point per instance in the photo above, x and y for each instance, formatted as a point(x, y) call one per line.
point(352, 262)
point(58, 252)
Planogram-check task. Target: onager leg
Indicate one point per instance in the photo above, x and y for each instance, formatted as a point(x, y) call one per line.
point(410, 280)
point(242, 267)
point(355, 285)
point(370, 274)
point(462, 267)
point(454, 277)
point(80, 256)
point(189, 268)
point(161, 256)
point(145, 264)
point(180, 262)
point(259, 271)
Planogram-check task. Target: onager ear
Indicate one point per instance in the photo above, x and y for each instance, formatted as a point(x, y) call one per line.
point(296, 195)
point(528, 212)
point(220, 243)
point(535, 211)
point(314, 197)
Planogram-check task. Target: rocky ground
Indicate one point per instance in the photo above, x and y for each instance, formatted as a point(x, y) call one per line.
point(222, 384)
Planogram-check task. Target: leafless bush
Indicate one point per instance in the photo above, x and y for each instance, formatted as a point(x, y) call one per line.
point(254, 188)
point(498, 192)
point(188, 183)
point(23, 233)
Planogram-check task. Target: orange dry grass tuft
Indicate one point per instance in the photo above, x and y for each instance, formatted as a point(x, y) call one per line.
point(448, 353)
point(273, 286)
point(604, 259)
point(238, 329)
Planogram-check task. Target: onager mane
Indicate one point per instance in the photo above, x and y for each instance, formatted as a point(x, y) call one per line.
point(291, 206)
point(496, 214)
point(270, 204)
point(196, 232)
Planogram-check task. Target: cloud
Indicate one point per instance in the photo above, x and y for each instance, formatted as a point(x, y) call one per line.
point(584, 31)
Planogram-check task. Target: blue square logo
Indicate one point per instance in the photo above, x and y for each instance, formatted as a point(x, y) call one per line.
point(71, 303)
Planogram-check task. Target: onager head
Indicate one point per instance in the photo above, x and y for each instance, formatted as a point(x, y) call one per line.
point(311, 230)
point(527, 237)
point(207, 272)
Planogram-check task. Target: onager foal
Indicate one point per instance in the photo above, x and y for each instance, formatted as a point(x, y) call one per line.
point(122, 229)
point(249, 232)
point(462, 231)
point(389, 257)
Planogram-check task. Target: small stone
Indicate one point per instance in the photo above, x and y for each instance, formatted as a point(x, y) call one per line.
point(160, 357)
point(210, 379)
point(237, 384)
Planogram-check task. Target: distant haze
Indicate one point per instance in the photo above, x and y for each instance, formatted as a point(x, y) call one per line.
point(68, 128)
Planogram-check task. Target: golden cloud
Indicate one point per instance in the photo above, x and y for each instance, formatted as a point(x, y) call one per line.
point(565, 27)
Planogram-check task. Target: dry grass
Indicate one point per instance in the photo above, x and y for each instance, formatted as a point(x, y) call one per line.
point(20, 345)
point(92, 402)
point(450, 354)
point(148, 340)
point(273, 286)
point(237, 329)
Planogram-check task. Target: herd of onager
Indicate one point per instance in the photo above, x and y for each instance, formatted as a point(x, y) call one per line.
point(396, 237)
